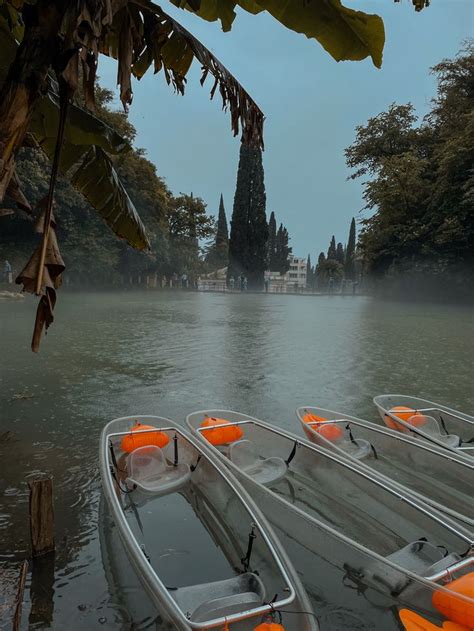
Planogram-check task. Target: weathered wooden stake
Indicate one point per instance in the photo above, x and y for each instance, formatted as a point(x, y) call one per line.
point(41, 516)
point(19, 597)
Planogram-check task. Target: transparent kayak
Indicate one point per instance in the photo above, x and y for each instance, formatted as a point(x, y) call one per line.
point(202, 553)
point(388, 543)
point(433, 422)
point(438, 477)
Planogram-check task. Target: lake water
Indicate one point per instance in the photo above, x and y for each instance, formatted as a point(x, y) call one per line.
point(165, 353)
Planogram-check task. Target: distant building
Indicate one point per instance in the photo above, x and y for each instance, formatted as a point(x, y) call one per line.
point(297, 272)
point(294, 279)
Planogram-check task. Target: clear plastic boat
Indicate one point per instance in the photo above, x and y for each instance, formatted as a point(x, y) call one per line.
point(203, 553)
point(437, 476)
point(390, 545)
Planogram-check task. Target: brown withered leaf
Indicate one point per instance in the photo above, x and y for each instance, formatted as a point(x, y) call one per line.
point(53, 268)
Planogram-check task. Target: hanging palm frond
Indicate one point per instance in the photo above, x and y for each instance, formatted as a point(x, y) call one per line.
point(142, 35)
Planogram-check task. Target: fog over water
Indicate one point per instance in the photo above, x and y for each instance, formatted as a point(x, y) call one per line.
point(165, 353)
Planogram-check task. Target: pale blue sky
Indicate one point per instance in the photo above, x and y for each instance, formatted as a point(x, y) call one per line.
point(312, 105)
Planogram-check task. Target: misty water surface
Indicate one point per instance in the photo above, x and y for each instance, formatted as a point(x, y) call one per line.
point(164, 353)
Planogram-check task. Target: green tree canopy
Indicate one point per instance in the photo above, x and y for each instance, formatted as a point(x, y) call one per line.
point(249, 229)
point(421, 187)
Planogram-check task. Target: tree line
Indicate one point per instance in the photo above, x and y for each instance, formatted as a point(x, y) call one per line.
point(184, 238)
point(176, 224)
point(419, 189)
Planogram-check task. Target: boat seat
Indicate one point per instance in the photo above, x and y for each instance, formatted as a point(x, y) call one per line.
point(431, 427)
point(150, 473)
point(358, 449)
point(263, 470)
point(420, 557)
point(218, 599)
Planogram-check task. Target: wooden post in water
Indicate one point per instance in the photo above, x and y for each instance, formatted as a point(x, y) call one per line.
point(19, 597)
point(41, 516)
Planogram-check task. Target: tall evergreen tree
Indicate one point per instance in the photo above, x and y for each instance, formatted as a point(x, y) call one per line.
point(319, 269)
point(283, 251)
point(349, 265)
point(309, 272)
point(249, 228)
point(332, 249)
point(340, 253)
point(271, 244)
point(218, 255)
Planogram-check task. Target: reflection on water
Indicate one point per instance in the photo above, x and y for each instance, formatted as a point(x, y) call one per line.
point(111, 355)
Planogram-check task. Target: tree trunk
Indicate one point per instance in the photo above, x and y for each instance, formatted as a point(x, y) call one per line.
point(24, 81)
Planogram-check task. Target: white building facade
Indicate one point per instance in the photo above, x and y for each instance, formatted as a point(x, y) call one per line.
point(293, 280)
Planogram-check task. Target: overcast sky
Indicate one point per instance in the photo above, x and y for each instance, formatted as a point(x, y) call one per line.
point(312, 106)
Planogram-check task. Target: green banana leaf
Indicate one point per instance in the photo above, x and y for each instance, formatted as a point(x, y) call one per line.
point(346, 34)
point(98, 181)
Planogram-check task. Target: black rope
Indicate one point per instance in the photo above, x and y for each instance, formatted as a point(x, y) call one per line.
point(353, 440)
point(443, 425)
point(246, 559)
point(142, 548)
point(469, 551)
point(139, 522)
point(193, 467)
point(117, 482)
point(356, 577)
point(292, 454)
point(175, 441)
point(419, 543)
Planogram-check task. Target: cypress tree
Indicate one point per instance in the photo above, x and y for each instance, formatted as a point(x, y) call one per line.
point(249, 229)
point(271, 245)
point(319, 270)
point(332, 249)
point(340, 253)
point(309, 272)
point(283, 251)
point(349, 266)
point(218, 255)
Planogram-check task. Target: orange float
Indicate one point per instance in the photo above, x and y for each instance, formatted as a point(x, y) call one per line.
point(414, 622)
point(226, 433)
point(269, 626)
point(330, 431)
point(312, 418)
point(132, 441)
point(401, 412)
point(454, 608)
point(417, 420)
